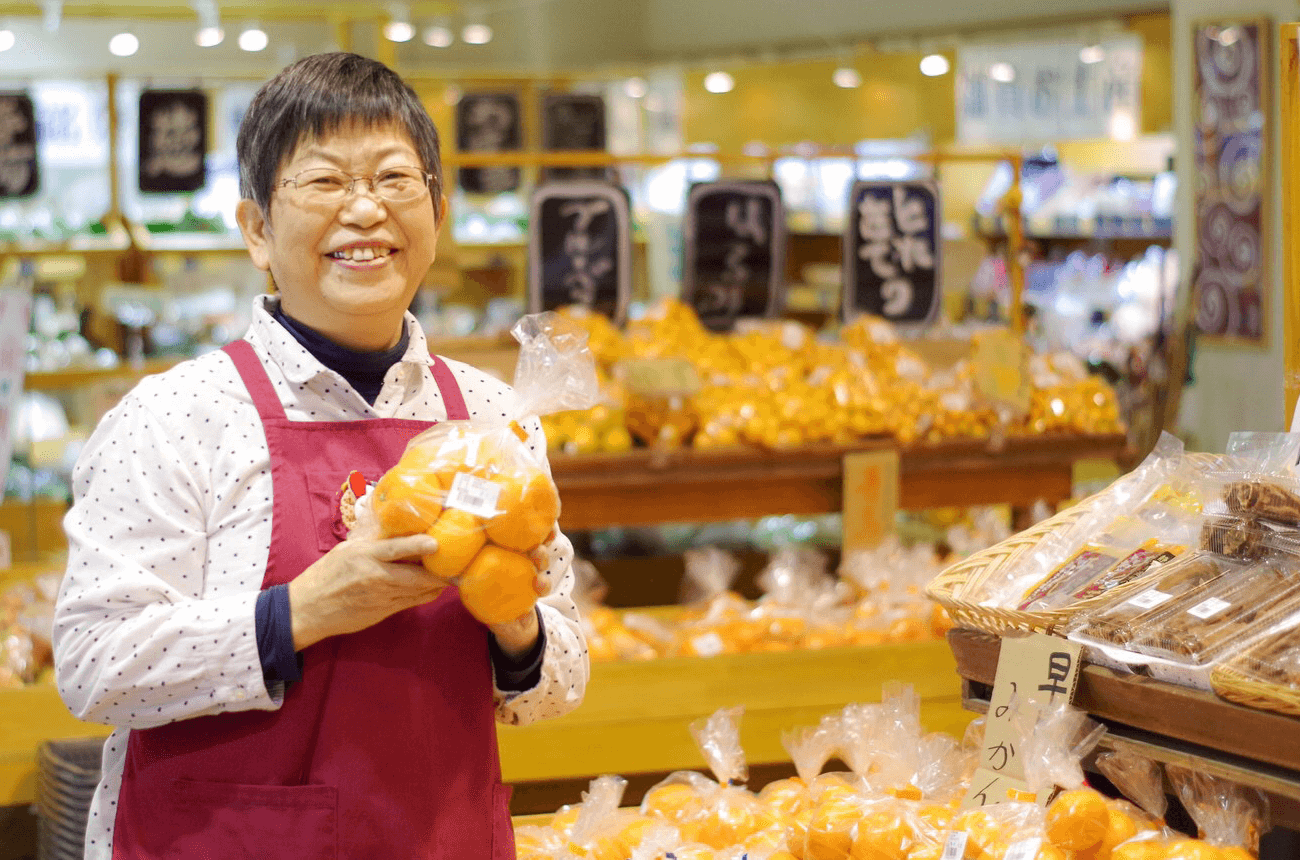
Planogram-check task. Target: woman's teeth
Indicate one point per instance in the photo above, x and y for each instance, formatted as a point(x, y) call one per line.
point(360, 255)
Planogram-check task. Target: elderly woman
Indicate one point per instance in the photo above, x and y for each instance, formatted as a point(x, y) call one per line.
point(278, 692)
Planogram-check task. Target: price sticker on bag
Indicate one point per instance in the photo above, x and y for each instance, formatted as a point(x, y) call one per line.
point(954, 847)
point(1025, 849)
point(473, 495)
point(1149, 599)
point(1208, 608)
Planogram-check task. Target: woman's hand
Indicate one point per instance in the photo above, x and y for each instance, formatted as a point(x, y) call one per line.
point(358, 584)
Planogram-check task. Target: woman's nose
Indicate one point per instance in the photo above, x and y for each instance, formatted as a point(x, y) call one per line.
point(362, 206)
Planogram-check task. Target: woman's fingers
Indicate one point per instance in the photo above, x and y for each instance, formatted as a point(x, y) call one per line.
point(401, 548)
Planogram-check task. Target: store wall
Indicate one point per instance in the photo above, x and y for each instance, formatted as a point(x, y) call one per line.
point(1235, 387)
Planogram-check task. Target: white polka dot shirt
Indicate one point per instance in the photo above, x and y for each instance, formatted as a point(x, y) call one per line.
point(168, 538)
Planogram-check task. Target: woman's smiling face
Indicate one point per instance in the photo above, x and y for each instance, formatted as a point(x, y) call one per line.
point(347, 269)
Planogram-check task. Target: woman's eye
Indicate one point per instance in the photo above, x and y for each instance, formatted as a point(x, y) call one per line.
point(326, 182)
point(394, 179)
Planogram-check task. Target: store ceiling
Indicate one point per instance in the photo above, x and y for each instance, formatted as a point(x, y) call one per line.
point(532, 37)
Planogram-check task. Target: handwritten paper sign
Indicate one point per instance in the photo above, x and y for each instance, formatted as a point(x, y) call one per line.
point(19, 166)
point(580, 248)
point(1034, 672)
point(1000, 361)
point(488, 122)
point(659, 377)
point(173, 140)
point(870, 497)
point(891, 251)
point(734, 251)
point(573, 122)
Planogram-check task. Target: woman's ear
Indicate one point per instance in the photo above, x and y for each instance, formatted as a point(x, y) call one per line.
point(257, 233)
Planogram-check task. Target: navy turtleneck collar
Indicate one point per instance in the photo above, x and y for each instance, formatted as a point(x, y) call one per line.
point(364, 371)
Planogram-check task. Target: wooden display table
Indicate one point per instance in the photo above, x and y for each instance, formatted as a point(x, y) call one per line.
point(644, 487)
point(1167, 723)
point(634, 718)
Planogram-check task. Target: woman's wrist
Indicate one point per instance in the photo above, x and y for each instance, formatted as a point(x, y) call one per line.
point(516, 638)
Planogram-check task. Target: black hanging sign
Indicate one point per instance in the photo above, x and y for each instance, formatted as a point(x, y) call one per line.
point(580, 247)
point(19, 166)
point(173, 140)
point(573, 122)
point(485, 123)
point(891, 251)
point(734, 251)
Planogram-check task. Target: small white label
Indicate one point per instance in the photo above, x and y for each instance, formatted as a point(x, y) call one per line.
point(1025, 849)
point(473, 495)
point(1209, 608)
point(708, 644)
point(1149, 599)
point(954, 847)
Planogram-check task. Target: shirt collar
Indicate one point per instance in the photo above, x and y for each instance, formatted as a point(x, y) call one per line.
point(273, 337)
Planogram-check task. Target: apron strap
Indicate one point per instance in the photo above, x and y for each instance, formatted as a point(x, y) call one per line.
point(268, 403)
point(451, 396)
point(259, 385)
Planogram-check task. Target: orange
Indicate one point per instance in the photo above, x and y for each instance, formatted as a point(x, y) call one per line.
point(407, 502)
point(1048, 851)
point(1120, 827)
point(497, 586)
point(881, 836)
point(565, 817)
point(1190, 849)
point(674, 802)
point(460, 537)
point(830, 831)
point(530, 506)
point(785, 796)
point(1148, 849)
point(1077, 819)
point(1234, 852)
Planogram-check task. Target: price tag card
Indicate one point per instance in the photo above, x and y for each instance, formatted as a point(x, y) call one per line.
point(573, 122)
point(1034, 672)
point(580, 248)
point(173, 140)
point(659, 377)
point(20, 167)
point(734, 251)
point(870, 497)
point(488, 122)
point(1208, 608)
point(891, 251)
point(1149, 599)
point(1000, 360)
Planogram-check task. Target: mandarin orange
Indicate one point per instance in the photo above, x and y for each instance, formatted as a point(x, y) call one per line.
point(529, 506)
point(460, 536)
point(498, 585)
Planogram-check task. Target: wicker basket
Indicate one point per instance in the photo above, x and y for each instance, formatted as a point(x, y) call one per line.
point(1237, 685)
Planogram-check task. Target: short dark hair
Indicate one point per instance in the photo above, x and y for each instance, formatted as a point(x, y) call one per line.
point(316, 96)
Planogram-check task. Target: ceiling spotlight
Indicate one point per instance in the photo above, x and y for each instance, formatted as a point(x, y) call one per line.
point(719, 82)
point(847, 78)
point(1229, 36)
point(476, 34)
point(1003, 73)
point(123, 45)
point(399, 31)
point(7, 39)
point(209, 37)
point(439, 36)
point(1092, 54)
point(253, 39)
point(635, 88)
point(934, 65)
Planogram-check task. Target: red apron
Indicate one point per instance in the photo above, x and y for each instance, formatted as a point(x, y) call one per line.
point(387, 746)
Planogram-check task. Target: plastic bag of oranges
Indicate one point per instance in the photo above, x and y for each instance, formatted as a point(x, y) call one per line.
point(1229, 816)
point(480, 488)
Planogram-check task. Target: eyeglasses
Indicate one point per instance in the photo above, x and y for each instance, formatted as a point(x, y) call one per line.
point(325, 185)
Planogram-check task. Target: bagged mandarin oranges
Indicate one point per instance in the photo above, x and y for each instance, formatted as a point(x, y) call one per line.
point(482, 487)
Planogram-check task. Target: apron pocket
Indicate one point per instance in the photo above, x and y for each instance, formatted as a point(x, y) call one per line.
point(325, 493)
point(503, 829)
point(221, 819)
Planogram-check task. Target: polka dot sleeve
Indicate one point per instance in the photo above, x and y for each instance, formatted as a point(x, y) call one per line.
point(138, 640)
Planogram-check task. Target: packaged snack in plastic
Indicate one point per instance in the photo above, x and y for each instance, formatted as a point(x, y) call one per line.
point(479, 487)
point(1227, 814)
point(1227, 613)
point(1119, 621)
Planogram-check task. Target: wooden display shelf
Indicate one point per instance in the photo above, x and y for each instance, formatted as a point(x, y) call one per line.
point(635, 716)
point(1167, 723)
point(79, 377)
point(646, 487)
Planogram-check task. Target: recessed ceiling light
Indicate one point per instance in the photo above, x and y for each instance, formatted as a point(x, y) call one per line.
point(439, 36)
point(209, 37)
point(934, 65)
point(7, 39)
point(476, 34)
point(846, 77)
point(719, 82)
point(253, 39)
point(123, 45)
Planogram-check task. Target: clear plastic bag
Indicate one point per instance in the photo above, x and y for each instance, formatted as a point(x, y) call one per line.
point(1227, 814)
point(479, 488)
